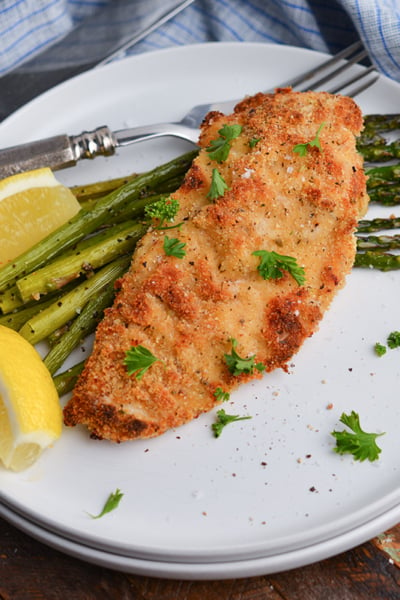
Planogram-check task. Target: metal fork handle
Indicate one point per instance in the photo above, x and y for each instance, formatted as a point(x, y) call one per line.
point(57, 152)
point(61, 151)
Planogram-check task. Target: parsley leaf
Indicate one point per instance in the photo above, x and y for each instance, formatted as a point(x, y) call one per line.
point(238, 365)
point(219, 148)
point(111, 503)
point(173, 247)
point(137, 360)
point(393, 340)
point(223, 419)
point(272, 264)
point(302, 149)
point(218, 185)
point(163, 210)
point(220, 395)
point(360, 444)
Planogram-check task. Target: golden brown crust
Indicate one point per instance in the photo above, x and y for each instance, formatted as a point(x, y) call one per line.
point(186, 311)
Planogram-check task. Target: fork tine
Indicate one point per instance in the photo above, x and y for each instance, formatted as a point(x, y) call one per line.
point(354, 80)
point(330, 69)
point(331, 62)
point(317, 84)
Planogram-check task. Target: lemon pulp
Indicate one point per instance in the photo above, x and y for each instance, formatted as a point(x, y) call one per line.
point(32, 205)
point(30, 412)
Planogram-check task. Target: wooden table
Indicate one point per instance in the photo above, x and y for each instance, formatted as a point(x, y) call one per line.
point(30, 570)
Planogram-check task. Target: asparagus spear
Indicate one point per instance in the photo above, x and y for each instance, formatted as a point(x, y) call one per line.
point(84, 324)
point(11, 301)
point(114, 242)
point(93, 191)
point(88, 194)
point(380, 152)
point(382, 174)
point(388, 195)
point(16, 319)
point(60, 312)
point(166, 187)
point(378, 224)
point(55, 336)
point(65, 381)
point(378, 242)
point(375, 260)
point(381, 123)
point(85, 222)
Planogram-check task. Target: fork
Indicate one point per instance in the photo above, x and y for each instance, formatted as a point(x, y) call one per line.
point(64, 151)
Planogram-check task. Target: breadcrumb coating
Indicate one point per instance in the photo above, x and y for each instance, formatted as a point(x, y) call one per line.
point(187, 310)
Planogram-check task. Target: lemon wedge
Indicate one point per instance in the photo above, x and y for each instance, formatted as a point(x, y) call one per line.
point(32, 205)
point(30, 412)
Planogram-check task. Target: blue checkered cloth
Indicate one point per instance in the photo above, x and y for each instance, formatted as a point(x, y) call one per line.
point(36, 34)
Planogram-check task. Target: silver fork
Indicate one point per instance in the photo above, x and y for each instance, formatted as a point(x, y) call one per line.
point(64, 151)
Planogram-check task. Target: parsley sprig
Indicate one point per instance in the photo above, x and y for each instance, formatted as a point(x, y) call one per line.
point(164, 210)
point(360, 444)
point(302, 149)
point(238, 365)
point(137, 360)
point(223, 419)
point(220, 395)
point(219, 148)
point(173, 247)
point(111, 503)
point(273, 264)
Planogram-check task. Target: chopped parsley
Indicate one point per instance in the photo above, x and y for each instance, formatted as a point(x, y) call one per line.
point(393, 340)
point(219, 148)
point(273, 264)
point(360, 444)
point(137, 360)
point(220, 395)
point(111, 503)
point(302, 149)
point(238, 365)
point(223, 419)
point(253, 142)
point(164, 210)
point(218, 185)
point(380, 349)
point(173, 247)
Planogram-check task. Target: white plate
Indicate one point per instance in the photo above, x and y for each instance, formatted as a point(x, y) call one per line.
point(199, 571)
point(271, 486)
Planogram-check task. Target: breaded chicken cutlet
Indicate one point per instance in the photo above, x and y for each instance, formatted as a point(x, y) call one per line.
point(266, 241)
